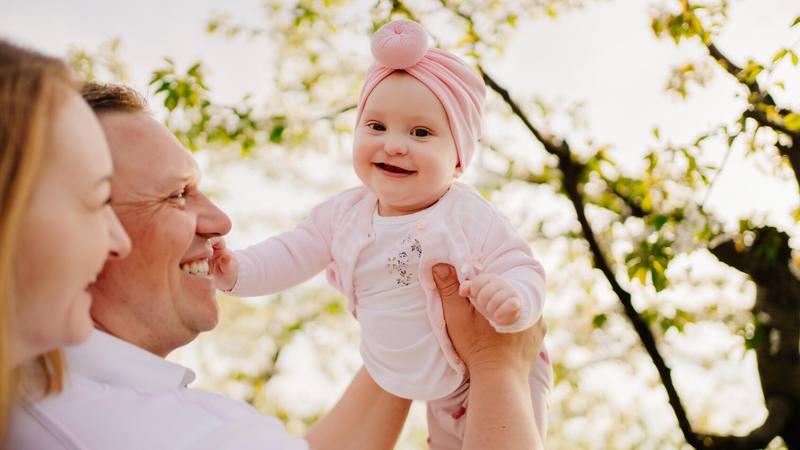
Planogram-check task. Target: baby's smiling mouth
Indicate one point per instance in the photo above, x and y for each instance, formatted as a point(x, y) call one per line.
point(393, 169)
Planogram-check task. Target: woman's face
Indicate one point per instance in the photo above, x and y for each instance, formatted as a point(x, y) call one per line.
point(67, 233)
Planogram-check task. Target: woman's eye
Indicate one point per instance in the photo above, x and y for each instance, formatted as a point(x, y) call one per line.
point(376, 126)
point(420, 132)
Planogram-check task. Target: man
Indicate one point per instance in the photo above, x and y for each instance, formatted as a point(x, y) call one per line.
point(122, 394)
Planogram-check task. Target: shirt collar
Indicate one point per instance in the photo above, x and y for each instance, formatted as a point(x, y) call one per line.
point(108, 359)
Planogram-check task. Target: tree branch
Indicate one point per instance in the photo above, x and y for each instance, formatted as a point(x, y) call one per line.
point(793, 155)
point(777, 314)
point(571, 170)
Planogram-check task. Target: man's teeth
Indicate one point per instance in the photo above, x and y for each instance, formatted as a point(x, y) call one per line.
point(199, 267)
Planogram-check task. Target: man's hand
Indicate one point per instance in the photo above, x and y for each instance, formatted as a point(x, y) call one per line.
point(500, 414)
point(474, 339)
point(494, 297)
point(224, 267)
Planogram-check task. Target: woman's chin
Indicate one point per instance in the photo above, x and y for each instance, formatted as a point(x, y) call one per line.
point(80, 325)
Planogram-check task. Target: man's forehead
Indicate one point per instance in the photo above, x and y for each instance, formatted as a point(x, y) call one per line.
point(147, 153)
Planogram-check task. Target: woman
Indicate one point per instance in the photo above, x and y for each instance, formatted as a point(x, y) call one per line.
point(56, 224)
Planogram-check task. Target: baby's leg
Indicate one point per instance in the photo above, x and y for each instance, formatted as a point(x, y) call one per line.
point(541, 383)
point(447, 420)
point(447, 416)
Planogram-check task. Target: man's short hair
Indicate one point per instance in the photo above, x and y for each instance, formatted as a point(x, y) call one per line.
point(113, 98)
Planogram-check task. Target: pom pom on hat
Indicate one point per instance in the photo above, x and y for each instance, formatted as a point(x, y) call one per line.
point(399, 44)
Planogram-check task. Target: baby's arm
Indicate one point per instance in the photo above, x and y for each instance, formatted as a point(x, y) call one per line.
point(279, 262)
point(509, 291)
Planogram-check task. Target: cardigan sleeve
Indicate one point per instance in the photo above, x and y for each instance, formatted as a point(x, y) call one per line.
point(288, 259)
point(505, 253)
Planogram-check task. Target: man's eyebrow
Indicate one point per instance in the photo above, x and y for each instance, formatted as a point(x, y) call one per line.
point(173, 182)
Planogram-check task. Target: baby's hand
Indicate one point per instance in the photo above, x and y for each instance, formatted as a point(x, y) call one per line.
point(224, 267)
point(494, 297)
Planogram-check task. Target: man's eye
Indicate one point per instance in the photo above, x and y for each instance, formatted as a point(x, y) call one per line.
point(420, 132)
point(180, 195)
point(376, 126)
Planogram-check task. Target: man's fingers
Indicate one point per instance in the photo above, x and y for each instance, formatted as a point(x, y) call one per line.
point(446, 281)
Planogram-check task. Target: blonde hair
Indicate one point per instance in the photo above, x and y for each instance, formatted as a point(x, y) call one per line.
point(32, 87)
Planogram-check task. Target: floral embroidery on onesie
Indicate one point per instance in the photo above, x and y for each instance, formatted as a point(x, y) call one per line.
point(407, 257)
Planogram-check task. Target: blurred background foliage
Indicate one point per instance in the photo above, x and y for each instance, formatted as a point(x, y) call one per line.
point(669, 326)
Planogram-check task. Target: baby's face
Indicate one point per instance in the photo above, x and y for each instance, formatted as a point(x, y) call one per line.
point(403, 149)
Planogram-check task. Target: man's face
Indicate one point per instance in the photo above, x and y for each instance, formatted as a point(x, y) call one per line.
point(160, 297)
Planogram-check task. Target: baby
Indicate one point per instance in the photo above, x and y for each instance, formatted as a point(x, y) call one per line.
point(417, 125)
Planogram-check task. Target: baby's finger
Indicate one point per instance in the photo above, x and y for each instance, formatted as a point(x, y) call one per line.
point(499, 297)
point(489, 291)
point(479, 282)
point(217, 245)
point(464, 288)
point(508, 310)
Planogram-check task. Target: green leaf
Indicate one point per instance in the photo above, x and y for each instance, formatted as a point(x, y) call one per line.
point(659, 221)
point(796, 21)
point(794, 57)
point(599, 320)
point(778, 56)
point(658, 277)
point(193, 70)
point(276, 134)
point(171, 102)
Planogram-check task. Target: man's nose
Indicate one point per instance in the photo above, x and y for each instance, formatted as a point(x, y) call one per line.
point(211, 221)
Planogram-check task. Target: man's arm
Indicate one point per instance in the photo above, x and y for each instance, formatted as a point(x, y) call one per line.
point(365, 418)
point(500, 413)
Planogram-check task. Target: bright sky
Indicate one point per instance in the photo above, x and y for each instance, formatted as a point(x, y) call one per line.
point(604, 55)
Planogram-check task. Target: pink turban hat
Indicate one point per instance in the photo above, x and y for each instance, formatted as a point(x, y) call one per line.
point(403, 45)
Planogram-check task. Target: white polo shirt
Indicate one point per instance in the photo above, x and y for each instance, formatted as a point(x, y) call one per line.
point(118, 396)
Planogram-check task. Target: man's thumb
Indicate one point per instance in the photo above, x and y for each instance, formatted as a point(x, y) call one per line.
point(446, 280)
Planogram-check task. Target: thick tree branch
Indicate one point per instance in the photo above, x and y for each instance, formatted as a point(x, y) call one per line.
point(781, 410)
point(777, 313)
point(571, 170)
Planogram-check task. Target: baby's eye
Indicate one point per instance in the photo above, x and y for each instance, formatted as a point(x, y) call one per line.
point(420, 132)
point(376, 126)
